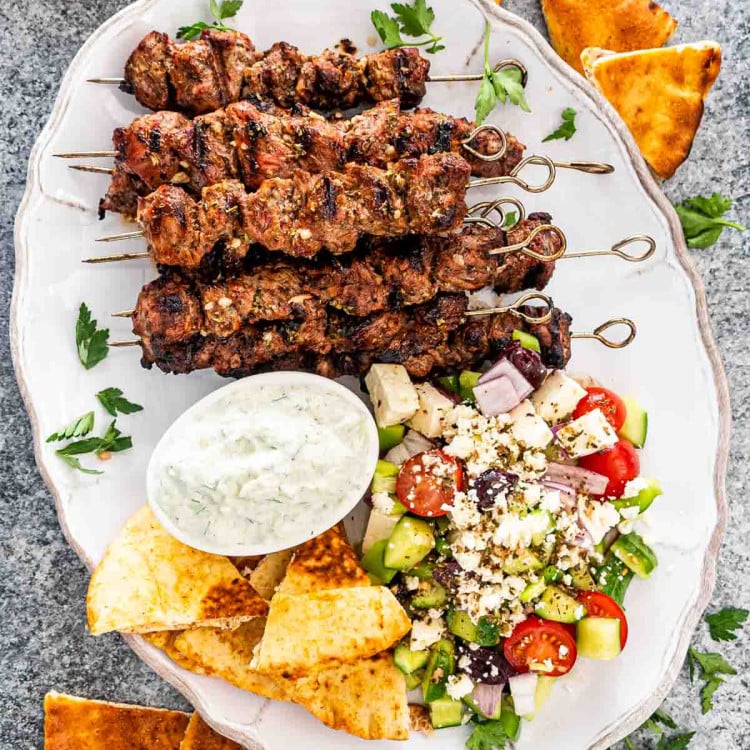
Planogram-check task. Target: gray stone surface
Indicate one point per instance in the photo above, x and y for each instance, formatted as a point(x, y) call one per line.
point(42, 584)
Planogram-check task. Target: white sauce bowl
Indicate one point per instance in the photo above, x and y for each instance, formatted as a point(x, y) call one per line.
point(182, 461)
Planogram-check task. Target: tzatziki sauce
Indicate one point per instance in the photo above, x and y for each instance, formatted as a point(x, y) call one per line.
point(264, 464)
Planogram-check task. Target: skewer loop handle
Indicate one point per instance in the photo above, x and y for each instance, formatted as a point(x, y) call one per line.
point(598, 333)
point(480, 213)
point(618, 249)
point(545, 310)
point(465, 143)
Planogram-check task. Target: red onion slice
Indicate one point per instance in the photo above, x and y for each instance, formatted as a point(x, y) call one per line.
point(497, 396)
point(577, 478)
point(508, 369)
point(487, 699)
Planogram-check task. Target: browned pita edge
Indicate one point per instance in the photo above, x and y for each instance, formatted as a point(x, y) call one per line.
point(659, 94)
point(72, 723)
point(200, 736)
point(269, 573)
point(419, 719)
point(149, 581)
point(165, 641)
point(326, 562)
point(619, 25)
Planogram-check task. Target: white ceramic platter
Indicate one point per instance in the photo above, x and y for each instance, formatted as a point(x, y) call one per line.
point(673, 366)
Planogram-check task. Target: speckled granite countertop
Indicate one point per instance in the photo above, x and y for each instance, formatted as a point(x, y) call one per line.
point(42, 583)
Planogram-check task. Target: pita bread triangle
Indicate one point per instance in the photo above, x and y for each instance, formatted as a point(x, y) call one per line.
point(71, 723)
point(659, 94)
point(619, 25)
point(149, 581)
point(200, 736)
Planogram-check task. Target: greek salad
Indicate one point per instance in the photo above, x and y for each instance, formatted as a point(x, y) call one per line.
point(502, 518)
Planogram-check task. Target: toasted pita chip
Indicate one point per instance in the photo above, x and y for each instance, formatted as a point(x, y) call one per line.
point(325, 562)
point(227, 654)
point(619, 25)
point(366, 698)
point(419, 719)
point(149, 581)
point(71, 723)
point(659, 94)
point(164, 641)
point(333, 626)
point(200, 736)
point(270, 572)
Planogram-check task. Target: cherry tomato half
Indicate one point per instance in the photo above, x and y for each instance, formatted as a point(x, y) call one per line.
point(600, 605)
point(619, 464)
point(611, 405)
point(428, 481)
point(534, 640)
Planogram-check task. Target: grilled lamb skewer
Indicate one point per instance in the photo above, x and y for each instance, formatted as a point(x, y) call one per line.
point(432, 337)
point(223, 67)
point(305, 213)
point(387, 276)
point(246, 142)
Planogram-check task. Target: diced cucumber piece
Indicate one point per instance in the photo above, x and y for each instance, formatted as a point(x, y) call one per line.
point(442, 546)
point(390, 437)
point(466, 382)
point(524, 562)
point(440, 666)
point(446, 712)
point(635, 427)
point(544, 686)
point(409, 661)
point(414, 679)
point(533, 590)
point(556, 605)
point(384, 479)
point(450, 383)
point(636, 554)
point(527, 340)
point(613, 578)
point(372, 562)
point(411, 541)
point(582, 578)
point(474, 706)
point(544, 523)
point(423, 571)
point(460, 624)
point(442, 523)
point(433, 596)
point(598, 637)
point(552, 574)
point(509, 719)
point(643, 499)
point(484, 633)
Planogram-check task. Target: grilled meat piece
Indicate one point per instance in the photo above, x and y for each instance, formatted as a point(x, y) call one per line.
point(390, 275)
point(251, 141)
point(268, 347)
point(220, 67)
point(307, 212)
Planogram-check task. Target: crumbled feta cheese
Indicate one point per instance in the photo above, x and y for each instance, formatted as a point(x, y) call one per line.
point(424, 634)
point(393, 395)
point(634, 486)
point(464, 513)
point(457, 687)
point(529, 428)
point(383, 503)
point(557, 397)
point(532, 494)
point(625, 527)
point(433, 406)
point(588, 434)
point(411, 583)
point(467, 560)
point(630, 513)
point(551, 502)
point(597, 518)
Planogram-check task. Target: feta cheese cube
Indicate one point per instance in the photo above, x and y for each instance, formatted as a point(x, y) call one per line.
point(458, 687)
point(588, 434)
point(557, 397)
point(433, 408)
point(394, 397)
point(379, 527)
point(424, 634)
point(597, 518)
point(528, 427)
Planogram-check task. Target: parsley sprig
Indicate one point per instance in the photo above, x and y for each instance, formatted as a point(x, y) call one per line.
point(113, 441)
point(220, 11)
point(658, 723)
point(567, 128)
point(722, 624)
point(498, 86)
point(712, 666)
point(77, 428)
point(487, 735)
point(113, 401)
point(90, 340)
point(410, 20)
point(702, 219)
